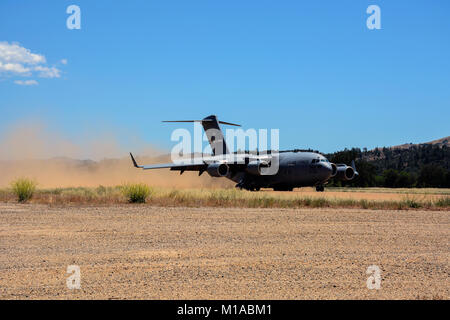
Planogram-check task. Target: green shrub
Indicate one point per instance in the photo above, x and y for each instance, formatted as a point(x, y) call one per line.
point(23, 188)
point(136, 193)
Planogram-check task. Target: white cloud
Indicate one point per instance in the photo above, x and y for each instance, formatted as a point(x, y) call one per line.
point(14, 68)
point(46, 72)
point(16, 60)
point(15, 53)
point(26, 82)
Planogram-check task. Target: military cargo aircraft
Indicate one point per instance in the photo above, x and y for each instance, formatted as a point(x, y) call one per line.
point(252, 171)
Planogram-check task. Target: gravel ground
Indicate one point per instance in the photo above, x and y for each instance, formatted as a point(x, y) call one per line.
point(143, 252)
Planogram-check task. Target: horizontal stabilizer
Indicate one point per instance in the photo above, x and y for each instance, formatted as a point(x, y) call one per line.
point(204, 120)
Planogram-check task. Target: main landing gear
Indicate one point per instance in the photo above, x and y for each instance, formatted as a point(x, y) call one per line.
point(320, 188)
point(250, 187)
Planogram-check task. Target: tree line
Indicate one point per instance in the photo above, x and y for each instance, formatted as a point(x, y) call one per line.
point(422, 166)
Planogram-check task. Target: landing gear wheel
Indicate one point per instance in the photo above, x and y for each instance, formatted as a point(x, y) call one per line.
point(320, 188)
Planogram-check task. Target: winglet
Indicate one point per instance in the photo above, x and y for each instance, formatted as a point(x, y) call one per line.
point(134, 161)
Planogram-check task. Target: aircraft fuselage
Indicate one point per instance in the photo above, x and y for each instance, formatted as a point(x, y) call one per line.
point(295, 169)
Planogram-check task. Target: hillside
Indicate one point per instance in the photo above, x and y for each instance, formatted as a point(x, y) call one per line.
point(439, 142)
point(410, 157)
point(407, 165)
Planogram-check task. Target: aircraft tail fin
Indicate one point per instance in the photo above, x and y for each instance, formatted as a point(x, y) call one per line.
point(215, 136)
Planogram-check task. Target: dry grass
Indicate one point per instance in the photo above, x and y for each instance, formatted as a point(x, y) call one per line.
point(426, 191)
point(236, 198)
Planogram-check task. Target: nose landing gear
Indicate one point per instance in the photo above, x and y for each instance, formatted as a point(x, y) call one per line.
point(320, 188)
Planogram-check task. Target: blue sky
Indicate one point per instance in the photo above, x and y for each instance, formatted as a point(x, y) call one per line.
point(310, 68)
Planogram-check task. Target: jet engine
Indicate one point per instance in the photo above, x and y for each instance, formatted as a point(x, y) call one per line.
point(218, 169)
point(345, 172)
point(254, 167)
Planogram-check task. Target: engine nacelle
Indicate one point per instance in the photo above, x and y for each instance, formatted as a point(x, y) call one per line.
point(254, 167)
point(218, 169)
point(345, 173)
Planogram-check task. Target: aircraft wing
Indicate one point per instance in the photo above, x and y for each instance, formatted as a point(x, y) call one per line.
point(200, 164)
point(174, 166)
point(189, 165)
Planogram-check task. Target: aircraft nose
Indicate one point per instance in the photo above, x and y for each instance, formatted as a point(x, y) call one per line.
point(328, 169)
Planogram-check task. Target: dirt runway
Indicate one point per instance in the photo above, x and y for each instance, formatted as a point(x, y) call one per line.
point(144, 252)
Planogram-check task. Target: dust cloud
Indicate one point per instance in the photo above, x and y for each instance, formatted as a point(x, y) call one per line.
point(31, 150)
